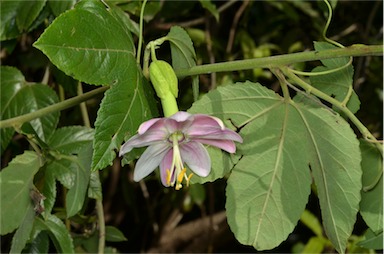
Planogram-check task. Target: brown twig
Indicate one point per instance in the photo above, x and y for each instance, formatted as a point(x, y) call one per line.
point(232, 32)
point(194, 22)
point(191, 236)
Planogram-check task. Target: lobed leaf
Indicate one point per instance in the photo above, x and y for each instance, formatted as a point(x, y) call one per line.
point(336, 84)
point(371, 205)
point(221, 165)
point(372, 240)
point(269, 186)
point(16, 182)
point(125, 106)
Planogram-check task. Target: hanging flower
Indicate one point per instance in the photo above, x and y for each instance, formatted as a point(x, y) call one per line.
point(175, 140)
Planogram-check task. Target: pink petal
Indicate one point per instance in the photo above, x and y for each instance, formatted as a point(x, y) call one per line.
point(226, 145)
point(216, 134)
point(146, 125)
point(205, 122)
point(165, 164)
point(196, 157)
point(148, 138)
point(149, 160)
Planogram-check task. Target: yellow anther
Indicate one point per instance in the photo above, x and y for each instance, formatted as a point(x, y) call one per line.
point(181, 175)
point(168, 178)
point(178, 186)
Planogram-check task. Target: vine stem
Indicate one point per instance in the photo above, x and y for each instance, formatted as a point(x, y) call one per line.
point(19, 120)
point(99, 201)
point(310, 89)
point(276, 61)
point(140, 43)
point(265, 62)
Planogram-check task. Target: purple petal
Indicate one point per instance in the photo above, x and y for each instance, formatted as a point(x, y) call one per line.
point(226, 145)
point(146, 125)
point(205, 122)
point(206, 133)
point(196, 157)
point(165, 164)
point(149, 160)
point(148, 138)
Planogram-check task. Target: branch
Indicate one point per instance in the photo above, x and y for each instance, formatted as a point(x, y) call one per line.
point(19, 120)
point(276, 61)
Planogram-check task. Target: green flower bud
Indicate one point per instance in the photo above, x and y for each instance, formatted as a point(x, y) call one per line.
point(163, 79)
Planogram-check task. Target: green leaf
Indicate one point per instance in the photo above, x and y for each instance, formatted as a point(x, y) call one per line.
point(94, 189)
point(124, 107)
point(17, 16)
point(58, 232)
point(269, 186)
point(371, 205)
point(315, 245)
point(16, 182)
point(372, 240)
point(32, 98)
point(39, 244)
point(183, 54)
point(312, 222)
point(12, 80)
point(113, 234)
point(221, 165)
point(130, 24)
point(101, 55)
point(92, 54)
point(19, 97)
point(22, 234)
point(59, 7)
point(337, 83)
point(207, 4)
point(27, 12)
point(71, 140)
point(61, 170)
point(8, 28)
point(76, 195)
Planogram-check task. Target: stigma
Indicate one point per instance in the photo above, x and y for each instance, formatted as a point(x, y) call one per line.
point(177, 173)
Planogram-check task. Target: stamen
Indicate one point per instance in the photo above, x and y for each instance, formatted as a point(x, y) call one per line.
point(168, 178)
point(181, 175)
point(189, 178)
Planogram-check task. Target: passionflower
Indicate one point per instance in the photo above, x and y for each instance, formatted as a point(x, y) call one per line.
point(177, 140)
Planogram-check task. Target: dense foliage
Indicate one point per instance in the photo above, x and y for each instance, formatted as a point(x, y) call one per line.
point(304, 94)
